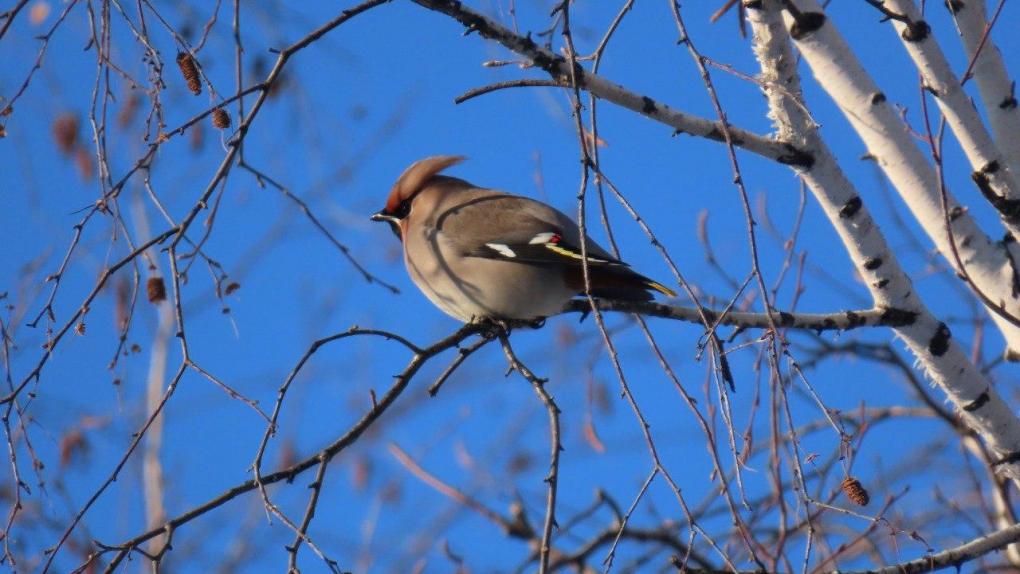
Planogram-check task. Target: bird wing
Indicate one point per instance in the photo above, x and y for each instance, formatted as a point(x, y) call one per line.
point(544, 247)
point(518, 229)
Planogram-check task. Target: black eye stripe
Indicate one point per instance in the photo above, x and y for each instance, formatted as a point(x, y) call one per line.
point(403, 209)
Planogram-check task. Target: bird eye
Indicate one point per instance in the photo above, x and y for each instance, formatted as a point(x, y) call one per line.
point(403, 210)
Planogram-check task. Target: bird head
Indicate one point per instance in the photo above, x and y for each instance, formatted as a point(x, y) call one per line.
point(408, 185)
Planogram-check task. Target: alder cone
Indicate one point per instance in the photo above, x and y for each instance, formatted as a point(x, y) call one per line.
point(220, 118)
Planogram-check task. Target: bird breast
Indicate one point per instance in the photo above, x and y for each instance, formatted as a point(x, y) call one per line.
point(473, 288)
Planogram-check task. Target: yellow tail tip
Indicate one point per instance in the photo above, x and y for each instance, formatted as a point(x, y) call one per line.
point(661, 288)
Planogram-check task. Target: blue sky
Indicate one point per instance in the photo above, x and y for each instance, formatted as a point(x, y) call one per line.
point(358, 107)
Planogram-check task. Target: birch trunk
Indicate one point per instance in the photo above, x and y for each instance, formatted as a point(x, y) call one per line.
point(992, 172)
point(998, 92)
point(843, 77)
point(929, 339)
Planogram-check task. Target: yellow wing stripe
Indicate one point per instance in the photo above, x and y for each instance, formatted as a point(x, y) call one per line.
point(575, 255)
point(571, 253)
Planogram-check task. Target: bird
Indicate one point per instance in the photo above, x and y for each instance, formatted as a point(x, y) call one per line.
point(483, 254)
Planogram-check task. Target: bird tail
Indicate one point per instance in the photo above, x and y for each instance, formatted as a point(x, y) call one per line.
point(619, 282)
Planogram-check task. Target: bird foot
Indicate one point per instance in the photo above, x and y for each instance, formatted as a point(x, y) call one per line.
point(492, 327)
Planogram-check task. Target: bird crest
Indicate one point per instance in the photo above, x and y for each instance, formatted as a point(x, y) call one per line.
point(415, 177)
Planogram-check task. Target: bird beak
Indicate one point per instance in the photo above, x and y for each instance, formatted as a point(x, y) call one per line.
point(393, 221)
point(382, 216)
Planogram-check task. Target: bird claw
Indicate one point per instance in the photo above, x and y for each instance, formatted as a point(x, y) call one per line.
point(492, 327)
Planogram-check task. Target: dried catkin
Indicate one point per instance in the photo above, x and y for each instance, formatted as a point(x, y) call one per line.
point(186, 62)
point(855, 491)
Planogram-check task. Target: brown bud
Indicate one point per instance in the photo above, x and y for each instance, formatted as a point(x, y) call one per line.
point(127, 112)
point(83, 161)
point(853, 490)
point(65, 133)
point(233, 286)
point(279, 84)
point(39, 12)
point(362, 472)
point(390, 492)
point(196, 138)
point(155, 289)
point(186, 62)
point(288, 454)
point(122, 298)
point(220, 118)
point(71, 445)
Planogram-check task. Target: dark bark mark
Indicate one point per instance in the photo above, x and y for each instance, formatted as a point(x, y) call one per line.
point(1010, 458)
point(977, 403)
point(1009, 209)
point(916, 31)
point(851, 207)
point(648, 106)
point(806, 23)
point(853, 320)
point(898, 317)
point(939, 343)
point(796, 157)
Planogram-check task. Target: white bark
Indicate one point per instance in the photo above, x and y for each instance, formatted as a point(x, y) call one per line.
point(992, 172)
point(843, 77)
point(152, 466)
point(1002, 514)
point(929, 340)
point(155, 382)
point(994, 85)
point(952, 557)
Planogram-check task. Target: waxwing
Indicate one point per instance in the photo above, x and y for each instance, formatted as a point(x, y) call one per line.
point(484, 254)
